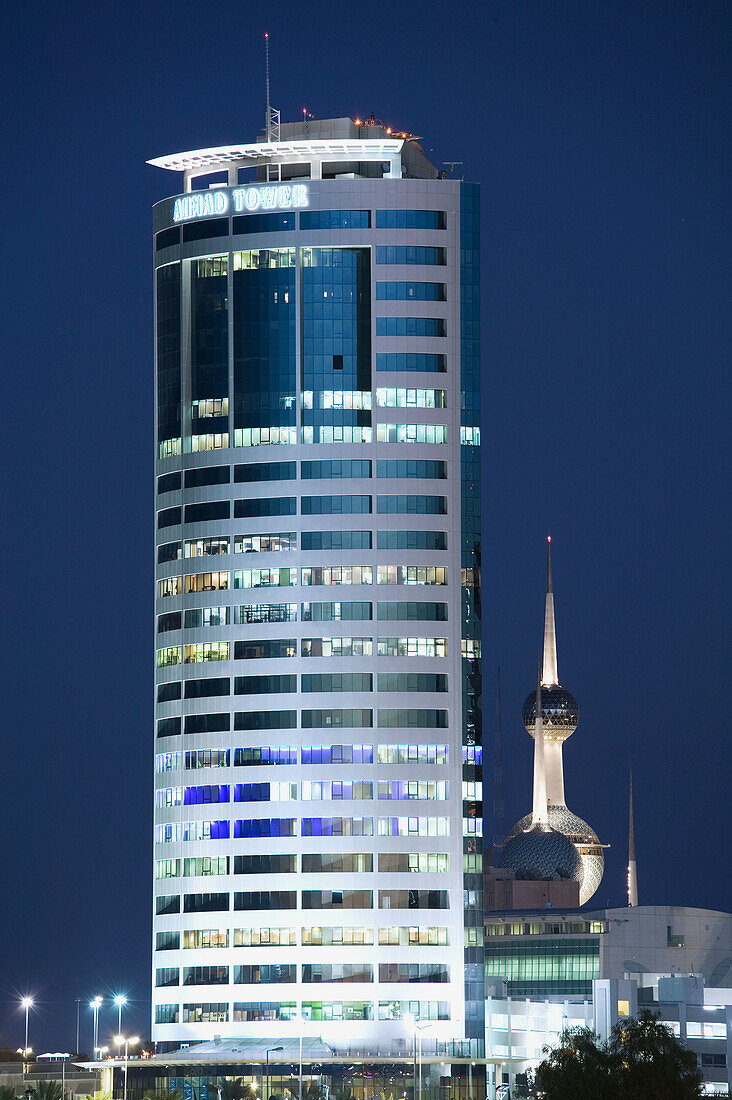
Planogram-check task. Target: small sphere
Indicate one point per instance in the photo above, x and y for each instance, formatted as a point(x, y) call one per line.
point(541, 852)
point(559, 713)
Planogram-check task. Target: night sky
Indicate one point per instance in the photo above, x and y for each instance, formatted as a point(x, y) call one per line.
point(600, 134)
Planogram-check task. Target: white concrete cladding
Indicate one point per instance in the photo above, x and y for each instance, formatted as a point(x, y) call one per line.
point(336, 969)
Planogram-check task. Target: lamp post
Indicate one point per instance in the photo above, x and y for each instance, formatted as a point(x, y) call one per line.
point(420, 1028)
point(128, 1042)
point(411, 1023)
point(269, 1050)
point(27, 1004)
point(95, 1005)
point(120, 1000)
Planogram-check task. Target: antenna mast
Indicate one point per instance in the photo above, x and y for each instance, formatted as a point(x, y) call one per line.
point(498, 833)
point(272, 116)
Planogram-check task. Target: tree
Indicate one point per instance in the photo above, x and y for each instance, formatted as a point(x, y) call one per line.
point(48, 1090)
point(642, 1059)
point(166, 1094)
point(7, 1092)
point(651, 1063)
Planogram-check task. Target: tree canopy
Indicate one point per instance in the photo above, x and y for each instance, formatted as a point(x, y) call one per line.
point(642, 1059)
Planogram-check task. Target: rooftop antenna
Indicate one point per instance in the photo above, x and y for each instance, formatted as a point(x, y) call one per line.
point(272, 116)
point(632, 879)
point(498, 826)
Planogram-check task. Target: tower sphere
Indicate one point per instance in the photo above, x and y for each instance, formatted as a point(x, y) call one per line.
point(541, 852)
point(559, 713)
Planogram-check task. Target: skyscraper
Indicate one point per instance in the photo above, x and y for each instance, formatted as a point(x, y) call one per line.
point(318, 794)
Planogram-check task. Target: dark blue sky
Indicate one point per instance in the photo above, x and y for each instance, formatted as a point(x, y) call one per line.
point(600, 134)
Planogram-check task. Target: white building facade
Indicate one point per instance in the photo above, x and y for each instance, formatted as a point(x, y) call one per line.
point(318, 782)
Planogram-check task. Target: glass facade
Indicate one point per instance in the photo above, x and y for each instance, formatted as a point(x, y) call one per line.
point(277, 337)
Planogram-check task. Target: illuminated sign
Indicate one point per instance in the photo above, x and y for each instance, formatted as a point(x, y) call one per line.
point(207, 204)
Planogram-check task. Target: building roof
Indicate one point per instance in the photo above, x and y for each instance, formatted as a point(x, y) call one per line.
point(265, 152)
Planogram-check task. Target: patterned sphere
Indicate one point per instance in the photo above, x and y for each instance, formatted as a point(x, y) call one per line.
point(580, 833)
point(559, 713)
point(541, 852)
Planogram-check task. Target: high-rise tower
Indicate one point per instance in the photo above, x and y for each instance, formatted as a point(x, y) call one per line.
point(318, 803)
point(559, 718)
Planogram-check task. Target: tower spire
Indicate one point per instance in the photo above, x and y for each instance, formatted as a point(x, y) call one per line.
point(549, 675)
point(540, 814)
point(632, 878)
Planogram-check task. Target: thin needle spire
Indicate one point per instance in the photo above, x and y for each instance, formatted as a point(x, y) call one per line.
point(549, 673)
point(632, 876)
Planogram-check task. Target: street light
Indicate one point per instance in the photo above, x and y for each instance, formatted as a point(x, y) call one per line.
point(120, 1000)
point(27, 1004)
point(269, 1050)
point(420, 1028)
point(133, 1041)
point(95, 1005)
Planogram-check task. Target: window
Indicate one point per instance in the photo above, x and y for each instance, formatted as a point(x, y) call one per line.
point(325, 790)
point(337, 899)
point(167, 1014)
point(265, 544)
point(206, 758)
point(207, 582)
point(205, 903)
point(274, 577)
point(203, 794)
point(206, 475)
point(337, 681)
point(168, 517)
point(410, 291)
point(264, 258)
point(263, 223)
point(169, 551)
point(169, 586)
point(348, 611)
point(337, 935)
point(168, 656)
point(318, 506)
point(198, 866)
point(167, 941)
point(265, 720)
point(415, 862)
point(265, 471)
point(167, 238)
point(412, 681)
point(337, 1010)
point(267, 648)
point(211, 509)
point(266, 899)
point(197, 938)
point(410, 219)
point(411, 326)
point(206, 689)
point(411, 399)
point(337, 467)
point(411, 647)
point(265, 937)
point(266, 613)
point(265, 973)
point(264, 685)
point(412, 611)
point(205, 830)
point(166, 904)
point(335, 219)
point(167, 868)
point(168, 762)
point(411, 433)
point(202, 548)
point(265, 792)
point(413, 972)
point(245, 1012)
point(337, 972)
point(168, 796)
point(262, 437)
point(336, 719)
point(266, 506)
point(210, 441)
point(203, 230)
point(338, 754)
point(337, 861)
point(265, 826)
point(411, 574)
point(265, 865)
point(412, 754)
point(413, 826)
point(414, 935)
point(399, 468)
point(338, 826)
point(336, 647)
point(209, 408)
point(414, 899)
point(168, 727)
point(410, 254)
point(429, 719)
point(336, 540)
point(413, 362)
point(411, 505)
point(401, 790)
point(205, 1013)
point(206, 651)
point(337, 574)
point(267, 755)
point(206, 616)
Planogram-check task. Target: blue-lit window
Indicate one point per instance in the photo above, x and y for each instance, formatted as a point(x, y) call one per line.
point(411, 326)
point(266, 826)
point(206, 793)
point(410, 219)
point(411, 361)
point(411, 505)
point(337, 467)
point(410, 254)
point(338, 754)
point(411, 467)
point(407, 291)
point(345, 505)
point(335, 219)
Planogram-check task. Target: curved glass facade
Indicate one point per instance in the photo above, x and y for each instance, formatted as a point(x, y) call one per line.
point(281, 466)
